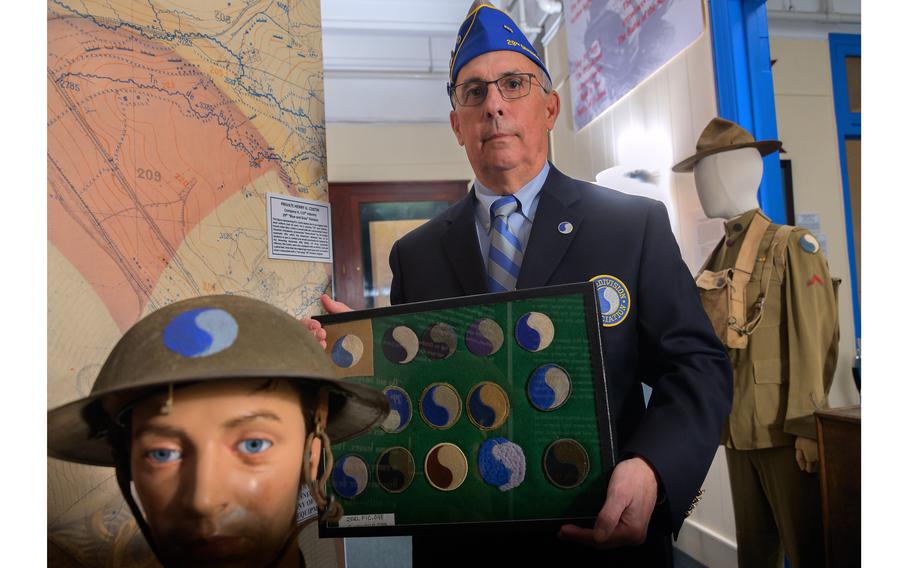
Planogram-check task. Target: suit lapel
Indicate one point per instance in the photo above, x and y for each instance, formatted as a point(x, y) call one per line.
point(461, 248)
point(546, 245)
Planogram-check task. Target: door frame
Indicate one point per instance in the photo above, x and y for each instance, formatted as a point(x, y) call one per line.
point(745, 86)
point(346, 198)
point(849, 127)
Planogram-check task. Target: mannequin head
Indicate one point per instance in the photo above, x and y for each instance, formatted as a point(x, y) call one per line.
point(217, 476)
point(204, 408)
point(727, 182)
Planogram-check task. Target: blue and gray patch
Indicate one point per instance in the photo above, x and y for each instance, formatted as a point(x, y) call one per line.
point(809, 243)
point(200, 332)
point(613, 299)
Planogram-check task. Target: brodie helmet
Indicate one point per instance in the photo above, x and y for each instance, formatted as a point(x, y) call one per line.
point(203, 339)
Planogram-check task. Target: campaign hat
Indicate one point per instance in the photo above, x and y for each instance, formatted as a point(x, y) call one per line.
point(722, 135)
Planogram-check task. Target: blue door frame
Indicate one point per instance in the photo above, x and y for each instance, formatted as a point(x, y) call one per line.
point(745, 89)
point(849, 127)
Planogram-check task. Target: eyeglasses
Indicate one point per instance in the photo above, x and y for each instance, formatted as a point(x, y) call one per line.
point(511, 86)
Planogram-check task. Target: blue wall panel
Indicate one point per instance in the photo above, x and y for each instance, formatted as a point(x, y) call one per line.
point(849, 126)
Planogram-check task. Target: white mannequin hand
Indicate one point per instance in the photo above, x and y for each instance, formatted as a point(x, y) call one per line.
point(807, 454)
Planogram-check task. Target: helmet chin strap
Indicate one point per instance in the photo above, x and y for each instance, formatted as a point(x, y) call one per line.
point(119, 438)
point(331, 510)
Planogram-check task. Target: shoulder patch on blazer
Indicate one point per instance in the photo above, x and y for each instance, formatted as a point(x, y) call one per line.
point(613, 299)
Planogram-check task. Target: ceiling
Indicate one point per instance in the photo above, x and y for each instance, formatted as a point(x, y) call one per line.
point(387, 60)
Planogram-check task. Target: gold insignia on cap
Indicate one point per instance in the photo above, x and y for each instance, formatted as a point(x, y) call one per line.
point(511, 31)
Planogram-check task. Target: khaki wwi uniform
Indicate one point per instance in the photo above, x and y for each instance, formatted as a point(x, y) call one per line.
point(782, 339)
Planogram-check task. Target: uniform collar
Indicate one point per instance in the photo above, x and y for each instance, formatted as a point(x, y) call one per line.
point(738, 225)
point(526, 196)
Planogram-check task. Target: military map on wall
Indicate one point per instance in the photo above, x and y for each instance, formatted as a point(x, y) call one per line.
point(168, 122)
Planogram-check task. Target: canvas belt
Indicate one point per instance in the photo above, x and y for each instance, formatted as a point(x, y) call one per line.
point(776, 260)
point(723, 293)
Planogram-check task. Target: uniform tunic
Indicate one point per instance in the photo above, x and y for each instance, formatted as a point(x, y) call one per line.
point(785, 372)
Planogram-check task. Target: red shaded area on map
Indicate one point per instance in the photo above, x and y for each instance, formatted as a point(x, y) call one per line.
point(141, 146)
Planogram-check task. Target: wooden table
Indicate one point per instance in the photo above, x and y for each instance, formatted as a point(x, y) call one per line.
point(839, 474)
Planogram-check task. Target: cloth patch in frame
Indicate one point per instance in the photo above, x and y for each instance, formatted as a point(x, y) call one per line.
point(400, 410)
point(395, 469)
point(445, 466)
point(488, 405)
point(439, 341)
point(400, 344)
point(534, 331)
point(335, 335)
point(549, 387)
point(501, 463)
point(347, 351)
point(484, 337)
point(566, 463)
point(440, 406)
point(350, 476)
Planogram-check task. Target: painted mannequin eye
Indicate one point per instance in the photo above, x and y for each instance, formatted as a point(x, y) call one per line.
point(164, 455)
point(254, 446)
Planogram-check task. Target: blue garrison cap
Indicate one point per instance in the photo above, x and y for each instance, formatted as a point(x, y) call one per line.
point(489, 29)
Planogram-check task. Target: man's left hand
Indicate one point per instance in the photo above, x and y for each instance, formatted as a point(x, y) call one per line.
point(316, 329)
point(330, 306)
point(624, 518)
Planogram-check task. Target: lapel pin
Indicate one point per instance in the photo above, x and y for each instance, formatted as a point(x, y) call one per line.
point(565, 227)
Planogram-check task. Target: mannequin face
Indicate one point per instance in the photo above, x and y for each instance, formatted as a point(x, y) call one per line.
point(727, 182)
point(218, 476)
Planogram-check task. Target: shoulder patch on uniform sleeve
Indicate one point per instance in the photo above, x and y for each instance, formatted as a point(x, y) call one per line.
point(809, 243)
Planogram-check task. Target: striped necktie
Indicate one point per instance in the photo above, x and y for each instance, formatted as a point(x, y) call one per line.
point(505, 256)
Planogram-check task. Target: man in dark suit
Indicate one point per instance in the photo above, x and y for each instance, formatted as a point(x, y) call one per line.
point(565, 230)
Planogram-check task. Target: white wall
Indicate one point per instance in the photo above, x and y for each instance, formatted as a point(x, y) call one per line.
point(665, 114)
point(669, 110)
point(394, 152)
point(806, 125)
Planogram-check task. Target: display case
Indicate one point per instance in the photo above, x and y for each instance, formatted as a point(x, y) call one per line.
point(500, 415)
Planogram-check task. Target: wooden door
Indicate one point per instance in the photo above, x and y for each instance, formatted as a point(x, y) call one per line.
point(367, 218)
